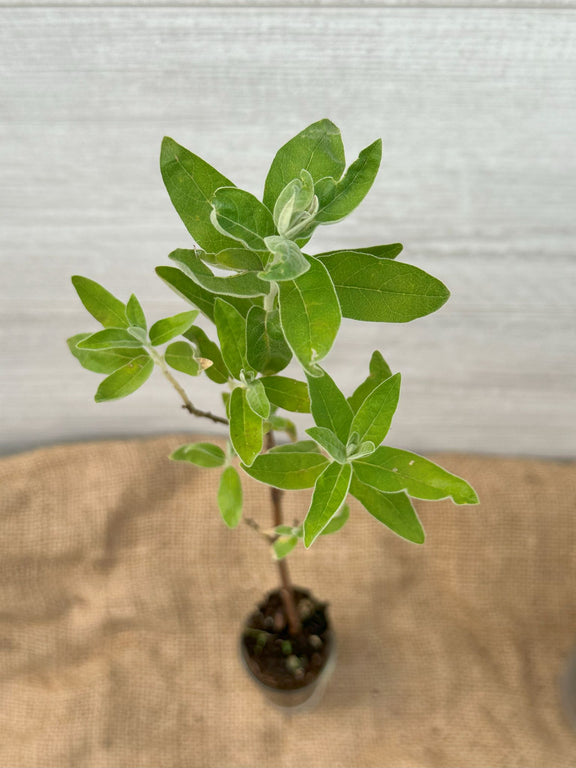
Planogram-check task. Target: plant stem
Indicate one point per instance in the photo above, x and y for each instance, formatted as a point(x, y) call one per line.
point(188, 403)
point(287, 591)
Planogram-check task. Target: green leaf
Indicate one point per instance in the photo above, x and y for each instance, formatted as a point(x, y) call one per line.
point(138, 333)
point(317, 149)
point(329, 407)
point(338, 521)
point(103, 360)
point(380, 251)
point(373, 418)
point(135, 313)
point(238, 285)
point(338, 199)
point(310, 314)
point(329, 494)
point(205, 455)
point(187, 289)
point(230, 497)
point(169, 327)
point(208, 349)
point(110, 338)
point(287, 262)
point(280, 424)
point(290, 467)
point(383, 290)
point(242, 216)
point(267, 351)
point(107, 309)
point(379, 372)
point(240, 259)
point(191, 182)
point(392, 470)
point(328, 440)
point(283, 546)
point(125, 380)
point(257, 399)
point(231, 328)
point(392, 509)
point(245, 427)
point(180, 356)
point(295, 206)
point(287, 393)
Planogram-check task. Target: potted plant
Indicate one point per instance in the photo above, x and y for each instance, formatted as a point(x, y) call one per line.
point(275, 303)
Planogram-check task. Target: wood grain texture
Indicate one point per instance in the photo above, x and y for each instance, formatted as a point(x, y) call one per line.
point(477, 112)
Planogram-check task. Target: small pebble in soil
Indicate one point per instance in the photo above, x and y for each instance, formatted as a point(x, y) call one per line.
point(315, 641)
point(293, 663)
point(305, 608)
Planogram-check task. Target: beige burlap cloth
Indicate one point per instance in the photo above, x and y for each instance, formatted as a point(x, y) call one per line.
point(122, 592)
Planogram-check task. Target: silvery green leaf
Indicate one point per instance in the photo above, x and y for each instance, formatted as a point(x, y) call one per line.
point(169, 327)
point(257, 399)
point(310, 315)
point(209, 350)
point(205, 455)
point(245, 427)
point(135, 313)
point(392, 470)
point(318, 149)
point(230, 497)
point(238, 259)
point(364, 449)
point(267, 351)
point(180, 356)
point(287, 262)
point(125, 380)
point(138, 333)
point(380, 251)
point(102, 360)
point(392, 509)
point(231, 328)
point(338, 521)
point(289, 394)
point(110, 338)
point(328, 440)
point(372, 420)
point(242, 216)
point(383, 290)
point(246, 284)
point(329, 494)
point(379, 372)
point(293, 203)
point(283, 546)
point(329, 407)
point(191, 182)
point(102, 305)
point(290, 467)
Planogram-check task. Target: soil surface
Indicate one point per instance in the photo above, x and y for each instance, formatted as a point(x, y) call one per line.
point(274, 656)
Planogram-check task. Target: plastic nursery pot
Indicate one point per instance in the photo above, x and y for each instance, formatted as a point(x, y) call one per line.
point(291, 672)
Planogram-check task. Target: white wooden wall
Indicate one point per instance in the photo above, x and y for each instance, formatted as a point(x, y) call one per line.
point(477, 109)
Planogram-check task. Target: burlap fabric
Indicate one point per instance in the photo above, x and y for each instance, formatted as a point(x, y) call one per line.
point(122, 593)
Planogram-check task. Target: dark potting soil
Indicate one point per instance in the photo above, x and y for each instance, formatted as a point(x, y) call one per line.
point(273, 655)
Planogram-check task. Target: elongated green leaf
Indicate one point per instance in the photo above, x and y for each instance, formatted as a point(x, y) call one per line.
point(138, 333)
point(211, 351)
point(267, 351)
point(135, 313)
point(191, 182)
point(102, 360)
point(231, 328)
point(329, 494)
point(242, 216)
point(238, 285)
point(329, 406)
point(338, 521)
point(380, 251)
point(230, 497)
point(169, 327)
point(283, 546)
point(373, 418)
point(245, 427)
point(125, 380)
point(310, 315)
point(109, 338)
point(205, 455)
point(287, 262)
point(291, 467)
point(338, 199)
point(379, 372)
point(238, 259)
point(392, 509)
point(392, 470)
point(295, 205)
point(290, 394)
point(180, 356)
point(318, 149)
point(187, 289)
point(328, 440)
point(383, 290)
point(101, 304)
point(257, 399)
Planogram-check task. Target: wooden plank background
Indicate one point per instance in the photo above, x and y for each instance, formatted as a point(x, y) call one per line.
point(476, 107)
